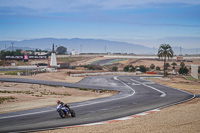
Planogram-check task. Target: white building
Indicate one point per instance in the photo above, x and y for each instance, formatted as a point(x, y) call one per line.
point(40, 53)
point(74, 52)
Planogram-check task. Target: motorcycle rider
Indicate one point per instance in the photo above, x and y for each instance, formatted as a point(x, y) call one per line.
point(59, 102)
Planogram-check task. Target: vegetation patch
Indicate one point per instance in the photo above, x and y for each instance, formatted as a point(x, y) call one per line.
point(54, 93)
point(191, 78)
point(104, 90)
point(22, 92)
point(8, 99)
point(11, 72)
point(49, 85)
point(84, 89)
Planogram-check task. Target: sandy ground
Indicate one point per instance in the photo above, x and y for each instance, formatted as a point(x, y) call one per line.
point(61, 76)
point(147, 63)
point(181, 118)
point(142, 62)
point(29, 96)
point(192, 86)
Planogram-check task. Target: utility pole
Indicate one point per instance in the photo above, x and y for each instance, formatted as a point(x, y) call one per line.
point(180, 51)
point(4, 62)
point(81, 48)
point(12, 45)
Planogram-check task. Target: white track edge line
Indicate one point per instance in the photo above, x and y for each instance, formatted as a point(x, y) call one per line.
point(115, 78)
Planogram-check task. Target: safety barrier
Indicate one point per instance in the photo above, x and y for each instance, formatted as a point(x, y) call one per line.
point(102, 73)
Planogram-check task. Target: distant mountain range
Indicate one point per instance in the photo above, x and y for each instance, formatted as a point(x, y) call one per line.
point(86, 46)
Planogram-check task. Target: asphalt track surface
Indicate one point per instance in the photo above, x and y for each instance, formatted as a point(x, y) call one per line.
point(135, 96)
point(104, 62)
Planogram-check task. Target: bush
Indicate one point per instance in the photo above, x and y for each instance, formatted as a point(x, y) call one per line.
point(143, 68)
point(129, 68)
point(115, 69)
point(126, 68)
point(152, 66)
point(83, 89)
point(157, 68)
point(93, 67)
point(183, 70)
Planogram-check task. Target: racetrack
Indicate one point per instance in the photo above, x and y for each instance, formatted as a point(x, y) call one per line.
point(135, 96)
point(105, 61)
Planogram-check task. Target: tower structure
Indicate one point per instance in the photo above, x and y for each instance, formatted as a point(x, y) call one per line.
point(53, 62)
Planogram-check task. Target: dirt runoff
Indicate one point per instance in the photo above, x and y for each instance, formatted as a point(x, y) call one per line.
point(28, 96)
point(20, 96)
point(181, 118)
point(61, 76)
point(192, 86)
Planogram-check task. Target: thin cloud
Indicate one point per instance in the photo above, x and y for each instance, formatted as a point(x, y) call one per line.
point(77, 5)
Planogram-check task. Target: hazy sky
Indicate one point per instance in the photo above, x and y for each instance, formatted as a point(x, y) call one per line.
point(146, 22)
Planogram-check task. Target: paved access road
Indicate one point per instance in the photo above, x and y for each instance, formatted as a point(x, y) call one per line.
point(135, 96)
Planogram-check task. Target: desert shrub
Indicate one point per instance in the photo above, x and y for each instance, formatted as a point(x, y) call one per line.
point(152, 66)
point(129, 68)
point(183, 70)
point(9, 99)
point(126, 68)
point(84, 89)
point(115, 69)
point(143, 68)
point(93, 67)
point(157, 68)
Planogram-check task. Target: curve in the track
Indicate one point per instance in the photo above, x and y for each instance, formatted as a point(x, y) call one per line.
point(135, 96)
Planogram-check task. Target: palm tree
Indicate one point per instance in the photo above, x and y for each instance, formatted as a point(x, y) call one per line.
point(165, 51)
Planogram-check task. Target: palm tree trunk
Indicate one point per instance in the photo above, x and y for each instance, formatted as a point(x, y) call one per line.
point(165, 75)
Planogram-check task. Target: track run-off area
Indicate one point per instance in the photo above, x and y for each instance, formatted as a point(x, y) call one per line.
point(135, 95)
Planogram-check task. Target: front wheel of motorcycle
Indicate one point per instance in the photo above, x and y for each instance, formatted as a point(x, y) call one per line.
point(73, 114)
point(62, 114)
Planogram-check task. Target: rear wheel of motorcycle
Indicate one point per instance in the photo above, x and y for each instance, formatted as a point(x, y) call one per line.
point(73, 113)
point(62, 114)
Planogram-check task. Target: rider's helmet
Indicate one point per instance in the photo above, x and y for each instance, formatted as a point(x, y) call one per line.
point(58, 102)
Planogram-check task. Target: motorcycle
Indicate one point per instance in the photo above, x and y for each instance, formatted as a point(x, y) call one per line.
point(65, 111)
